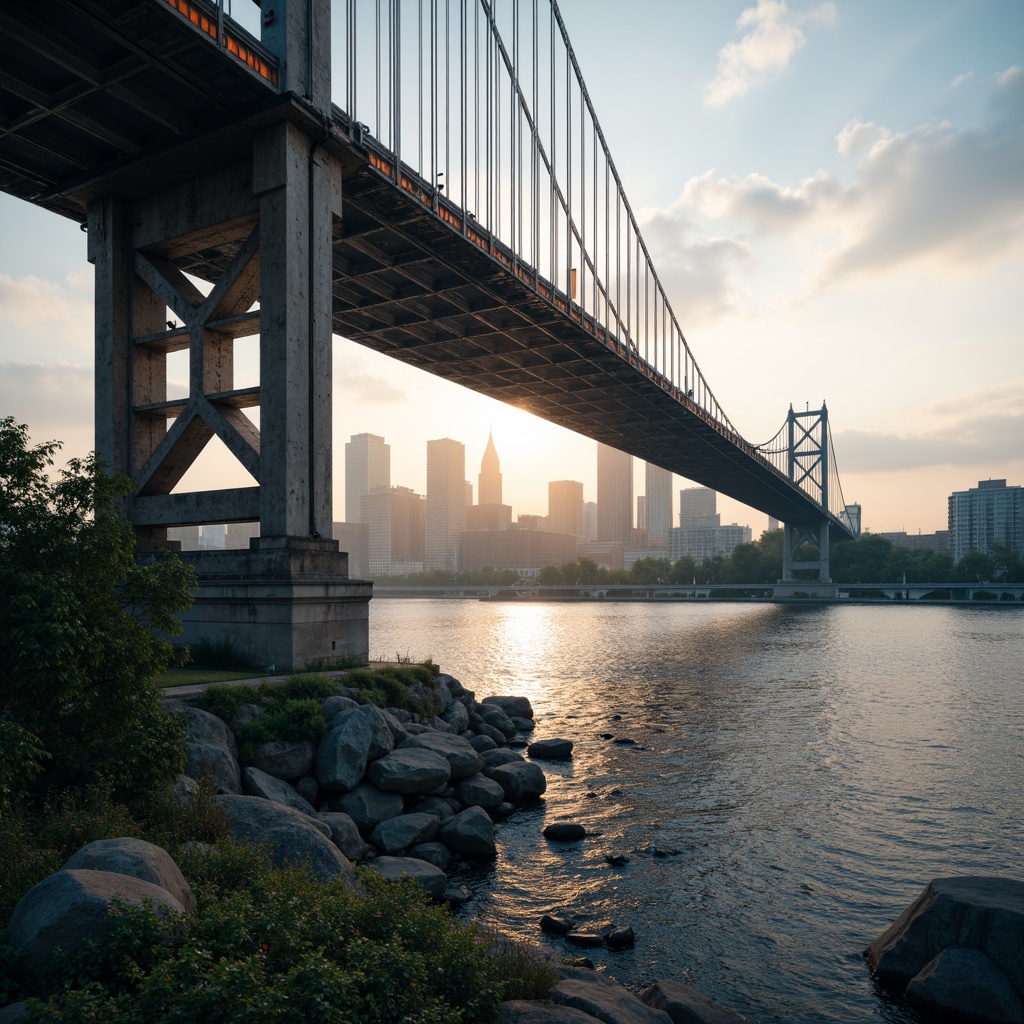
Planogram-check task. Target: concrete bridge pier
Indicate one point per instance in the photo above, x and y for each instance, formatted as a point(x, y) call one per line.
point(253, 219)
point(806, 548)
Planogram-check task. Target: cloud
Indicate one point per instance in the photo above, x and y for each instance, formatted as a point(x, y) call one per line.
point(36, 313)
point(981, 427)
point(770, 35)
point(355, 383)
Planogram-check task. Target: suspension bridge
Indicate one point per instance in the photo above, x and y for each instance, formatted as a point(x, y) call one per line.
point(457, 208)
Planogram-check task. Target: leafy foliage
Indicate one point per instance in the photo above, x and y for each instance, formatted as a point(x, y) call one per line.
point(83, 628)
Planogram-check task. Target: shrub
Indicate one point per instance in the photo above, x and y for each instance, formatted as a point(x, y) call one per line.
point(220, 652)
point(225, 701)
point(307, 684)
point(291, 720)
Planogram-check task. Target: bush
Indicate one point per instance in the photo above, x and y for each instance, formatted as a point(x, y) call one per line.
point(219, 652)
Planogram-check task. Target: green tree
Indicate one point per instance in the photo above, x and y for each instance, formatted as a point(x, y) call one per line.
point(650, 570)
point(83, 629)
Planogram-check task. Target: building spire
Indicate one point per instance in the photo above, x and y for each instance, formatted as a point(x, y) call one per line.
point(489, 490)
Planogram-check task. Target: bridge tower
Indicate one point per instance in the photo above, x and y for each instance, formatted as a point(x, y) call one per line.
point(249, 208)
point(805, 545)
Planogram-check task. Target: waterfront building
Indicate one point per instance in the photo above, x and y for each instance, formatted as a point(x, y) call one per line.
point(698, 507)
point(367, 465)
point(446, 502)
point(522, 550)
point(565, 507)
point(937, 541)
point(985, 517)
point(590, 520)
point(703, 542)
point(614, 494)
point(395, 520)
point(607, 553)
point(657, 505)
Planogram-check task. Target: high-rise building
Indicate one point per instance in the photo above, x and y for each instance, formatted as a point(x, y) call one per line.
point(852, 515)
point(446, 502)
point(590, 520)
point(489, 491)
point(641, 511)
point(565, 507)
point(367, 465)
point(697, 507)
point(658, 506)
point(395, 519)
point(614, 494)
point(985, 517)
point(703, 542)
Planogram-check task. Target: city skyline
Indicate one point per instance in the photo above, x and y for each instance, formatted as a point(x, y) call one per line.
point(826, 226)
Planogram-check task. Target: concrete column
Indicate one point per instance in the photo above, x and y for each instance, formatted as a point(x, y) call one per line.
point(299, 32)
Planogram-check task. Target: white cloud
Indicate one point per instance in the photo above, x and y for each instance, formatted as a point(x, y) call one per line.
point(770, 35)
point(354, 382)
point(39, 315)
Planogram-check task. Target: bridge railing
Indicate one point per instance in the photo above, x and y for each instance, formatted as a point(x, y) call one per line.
point(484, 101)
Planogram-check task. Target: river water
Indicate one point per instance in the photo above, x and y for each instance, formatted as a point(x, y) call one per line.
point(807, 771)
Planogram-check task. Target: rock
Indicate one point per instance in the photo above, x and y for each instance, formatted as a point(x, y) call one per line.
point(555, 924)
point(457, 896)
point(442, 693)
point(70, 907)
point(551, 750)
point(360, 735)
point(973, 912)
point(621, 938)
point(524, 724)
point(368, 806)
point(685, 1005)
point(396, 835)
point(308, 788)
point(456, 716)
point(964, 985)
point(293, 837)
point(410, 770)
point(605, 1001)
point(184, 789)
point(470, 833)
point(435, 724)
point(434, 805)
point(484, 728)
point(211, 752)
point(433, 853)
point(502, 811)
point(564, 831)
point(137, 858)
point(345, 834)
point(401, 715)
point(267, 787)
point(502, 755)
point(617, 860)
point(522, 1011)
point(283, 759)
point(482, 744)
point(518, 743)
point(458, 752)
point(202, 727)
point(521, 781)
point(586, 939)
point(395, 726)
point(246, 713)
point(494, 716)
point(479, 791)
point(333, 705)
point(13, 1012)
point(433, 879)
point(578, 962)
point(514, 707)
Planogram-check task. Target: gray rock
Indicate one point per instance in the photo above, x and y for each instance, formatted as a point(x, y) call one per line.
point(443, 693)
point(456, 716)
point(589, 940)
point(204, 728)
point(434, 805)
point(521, 781)
point(410, 770)
point(524, 724)
point(494, 716)
point(522, 1011)
point(333, 705)
point(973, 912)
point(342, 755)
point(514, 707)
point(564, 831)
point(433, 853)
point(685, 1005)
point(396, 835)
point(964, 985)
point(246, 713)
point(368, 806)
point(605, 1001)
point(13, 1011)
point(381, 739)
point(502, 755)
point(621, 938)
point(267, 787)
point(479, 791)
point(482, 744)
point(215, 763)
point(503, 811)
point(550, 750)
point(401, 715)
point(433, 879)
point(416, 729)
point(308, 788)
point(395, 727)
point(184, 789)
point(484, 728)
point(137, 858)
point(457, 896)
point(459, 753)
point(556, 924)
point(436, 724)
point(294, 838)
point(470, 833)
point(283, 759)
point(345, 834)
point(70, 907)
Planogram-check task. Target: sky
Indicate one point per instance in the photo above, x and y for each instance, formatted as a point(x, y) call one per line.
point(833, 195)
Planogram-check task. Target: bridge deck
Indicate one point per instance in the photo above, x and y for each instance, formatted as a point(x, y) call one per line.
point(101, 97)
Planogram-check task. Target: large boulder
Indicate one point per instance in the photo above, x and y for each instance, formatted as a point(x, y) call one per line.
point(137, 858)
point(551, 750)
point(964, 985)
point(495, 717)
point(335, 704)
point(343, 754)
point(71, 907)
point(396, 835)
point(345, 834)
point(203, 727)
point(368, 806)
point(284, 759)
point(479, 791)
point(685, 1005)
point(606, 1001)
point(294, 838)
point(267, 787)
point(432, 878)
point(521, 781)
point(514, 707)
point(973, 912)
point(211, 752)
point(410, 770)
point(456, 750)
point(456, 716)
point(525, 1011)
point(470, 833)
point(492, 758)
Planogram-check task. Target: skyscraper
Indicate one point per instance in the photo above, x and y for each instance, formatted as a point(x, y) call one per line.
point(985, 517)
point(565, 507)
point(446, 501)
point(394, 516)
point(658, 487)
point(367, 465)
point(614, 494)
point(697, 507)
point(489, 491)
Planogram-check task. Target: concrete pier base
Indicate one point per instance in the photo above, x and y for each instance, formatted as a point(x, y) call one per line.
point(285, 602)
point(820, 590)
